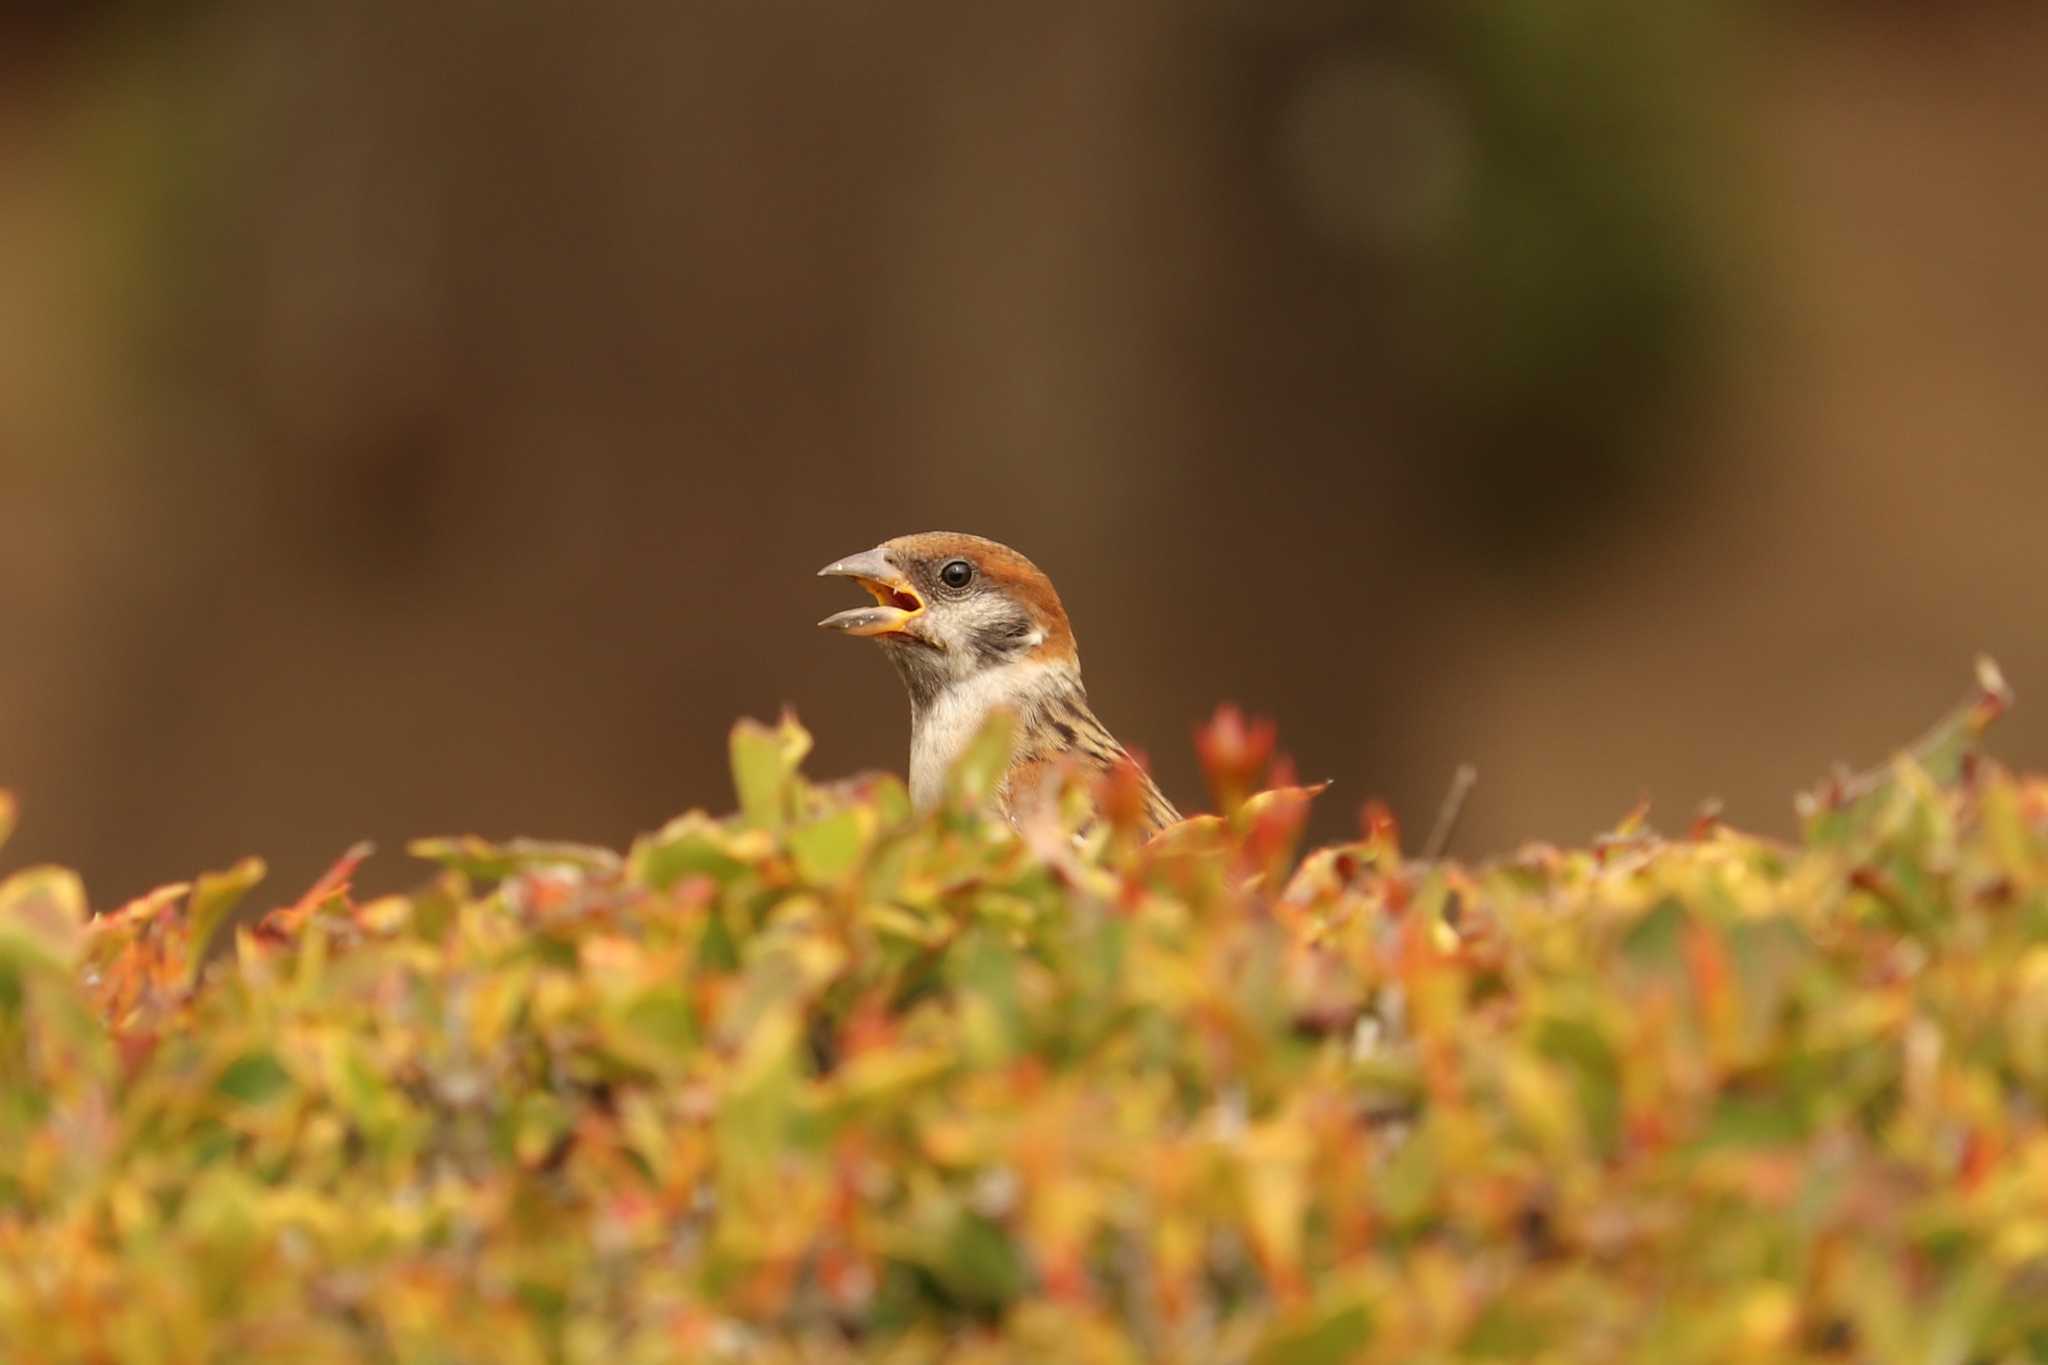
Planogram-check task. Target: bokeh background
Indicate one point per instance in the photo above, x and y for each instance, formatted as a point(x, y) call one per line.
point(426, 418)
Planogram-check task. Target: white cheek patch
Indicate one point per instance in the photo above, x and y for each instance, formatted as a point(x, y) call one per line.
point(978, 615)
point(982, 632)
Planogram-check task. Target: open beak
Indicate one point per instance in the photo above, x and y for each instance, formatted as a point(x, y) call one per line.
point(897, 604)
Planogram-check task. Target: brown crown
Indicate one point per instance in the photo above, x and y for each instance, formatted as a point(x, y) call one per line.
point(1011, 572)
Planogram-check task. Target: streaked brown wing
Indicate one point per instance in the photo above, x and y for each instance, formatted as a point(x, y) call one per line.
point(1064, 727)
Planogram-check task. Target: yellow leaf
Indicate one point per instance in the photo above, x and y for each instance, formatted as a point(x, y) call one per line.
point(882, 1072)
point(1274, 1162)
point(1543, 1104)
point(45, 908)
point(1768, 1315)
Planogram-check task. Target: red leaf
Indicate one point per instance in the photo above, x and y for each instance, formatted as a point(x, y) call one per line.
point(1234, 754)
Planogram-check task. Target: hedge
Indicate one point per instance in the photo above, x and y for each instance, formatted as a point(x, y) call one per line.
point(825, 1079)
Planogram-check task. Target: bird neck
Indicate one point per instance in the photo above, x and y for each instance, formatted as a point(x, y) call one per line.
point(946, 716)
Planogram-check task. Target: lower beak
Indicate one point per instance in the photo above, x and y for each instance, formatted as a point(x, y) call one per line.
point(897, 604)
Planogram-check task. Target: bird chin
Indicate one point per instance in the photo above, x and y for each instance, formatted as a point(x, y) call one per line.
point(908, 641)
point(925, 668)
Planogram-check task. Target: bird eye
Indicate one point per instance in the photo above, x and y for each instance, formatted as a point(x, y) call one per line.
point(957, 574)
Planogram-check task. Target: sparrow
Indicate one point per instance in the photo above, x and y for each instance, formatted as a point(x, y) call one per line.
point(972, 626)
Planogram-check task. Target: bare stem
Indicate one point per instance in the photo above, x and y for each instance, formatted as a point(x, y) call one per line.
point(1448, 814)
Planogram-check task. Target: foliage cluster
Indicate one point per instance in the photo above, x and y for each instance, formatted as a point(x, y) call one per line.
point(827, 1079)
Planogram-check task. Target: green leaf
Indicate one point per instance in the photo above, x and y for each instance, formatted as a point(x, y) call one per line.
point(1656, 941)
point(689, 845)
point(358, 1088)
point(253, 1078)
point(1771, 956)
point(1331, 1335)
point(1847, 807)
point(984, 969)
point(214, 898)
point(656, 1028)
point(981, 1265)
point(764, 764)
point(1578, 1043)
point(536, 1125)
point(891, 801)
point(826, 850)
point(1768, 1120)
point(484, 861)
point(1504, 1333)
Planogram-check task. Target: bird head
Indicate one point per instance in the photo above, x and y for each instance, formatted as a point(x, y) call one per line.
point(948, 607)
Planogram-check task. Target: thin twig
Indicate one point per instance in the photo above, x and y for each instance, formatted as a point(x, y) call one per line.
point(1448, 814)
point(1992, 699)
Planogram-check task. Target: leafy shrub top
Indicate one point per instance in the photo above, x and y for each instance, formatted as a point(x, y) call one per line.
point(826, 1079)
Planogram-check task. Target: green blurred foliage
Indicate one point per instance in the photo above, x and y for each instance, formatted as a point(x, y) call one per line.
point(826, 1079)
point(1530, 195)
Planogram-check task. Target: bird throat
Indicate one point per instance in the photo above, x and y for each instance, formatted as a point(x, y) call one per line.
point(947, 713)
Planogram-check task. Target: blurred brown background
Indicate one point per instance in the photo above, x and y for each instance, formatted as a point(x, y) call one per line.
point(427, 418)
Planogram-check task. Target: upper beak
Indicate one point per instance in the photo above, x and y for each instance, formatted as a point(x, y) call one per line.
point(897, 604)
